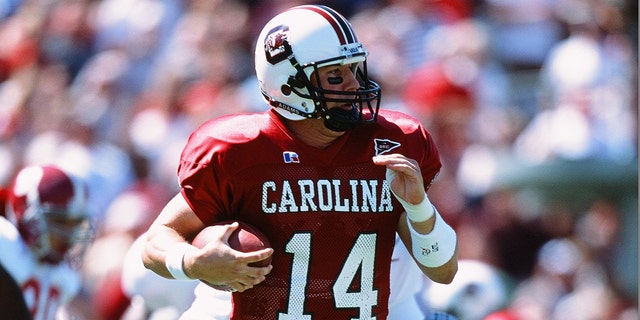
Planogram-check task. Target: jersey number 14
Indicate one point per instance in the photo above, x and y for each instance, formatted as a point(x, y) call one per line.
point(361, 256)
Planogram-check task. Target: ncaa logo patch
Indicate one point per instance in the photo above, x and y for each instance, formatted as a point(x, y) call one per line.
point(383, 146)
point(290, 157)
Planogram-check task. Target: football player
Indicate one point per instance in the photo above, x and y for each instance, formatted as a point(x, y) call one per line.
point(43, 236)
point(326, 174)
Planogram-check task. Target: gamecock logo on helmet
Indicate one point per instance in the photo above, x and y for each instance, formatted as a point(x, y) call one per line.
point(274, 47)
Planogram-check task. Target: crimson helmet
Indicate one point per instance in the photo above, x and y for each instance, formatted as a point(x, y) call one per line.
point(296, 43)
point(48, 207)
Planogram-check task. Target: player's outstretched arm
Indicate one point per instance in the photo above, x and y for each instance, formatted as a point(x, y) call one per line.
point(168, 253)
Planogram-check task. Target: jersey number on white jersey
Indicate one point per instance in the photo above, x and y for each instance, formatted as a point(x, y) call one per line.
point(43, 301)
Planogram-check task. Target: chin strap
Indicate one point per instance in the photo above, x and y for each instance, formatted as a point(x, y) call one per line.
point(284, 106)
point(335, 119)
point(340, 120)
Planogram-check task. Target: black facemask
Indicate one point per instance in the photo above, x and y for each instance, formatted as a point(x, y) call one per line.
point(339, 120)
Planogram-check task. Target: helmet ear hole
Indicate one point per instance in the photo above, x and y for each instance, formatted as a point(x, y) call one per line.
point(285, 89)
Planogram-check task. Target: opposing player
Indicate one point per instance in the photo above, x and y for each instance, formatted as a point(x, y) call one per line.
point(46, 223)
point(325, 174)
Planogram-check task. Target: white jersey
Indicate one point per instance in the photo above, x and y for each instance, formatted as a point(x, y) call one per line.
point(158, 294)
point(46, 287)
point(407, 281)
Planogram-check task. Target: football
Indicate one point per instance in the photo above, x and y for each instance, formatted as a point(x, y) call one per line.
point(245, 238)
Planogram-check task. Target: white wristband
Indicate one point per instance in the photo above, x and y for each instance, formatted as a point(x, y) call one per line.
point(173, 261)
point(416, 212)
point(435, 248)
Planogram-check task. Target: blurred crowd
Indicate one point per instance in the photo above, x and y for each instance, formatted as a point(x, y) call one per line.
point(533, 105)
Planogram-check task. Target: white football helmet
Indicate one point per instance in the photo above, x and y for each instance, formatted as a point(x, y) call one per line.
point(296, 43)
point(48, 207)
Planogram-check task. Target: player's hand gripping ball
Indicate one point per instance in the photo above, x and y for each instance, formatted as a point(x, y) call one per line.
point(246, 238)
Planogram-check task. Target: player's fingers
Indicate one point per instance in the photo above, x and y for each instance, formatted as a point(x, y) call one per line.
point(397, 162)
point(230, 228)
point(257, 272)
point(254, 280)
point(223, 232)
point(257, 256)
point(388, 158)
point(247, 283)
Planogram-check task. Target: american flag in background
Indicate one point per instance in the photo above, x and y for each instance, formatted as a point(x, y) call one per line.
point(290, 157)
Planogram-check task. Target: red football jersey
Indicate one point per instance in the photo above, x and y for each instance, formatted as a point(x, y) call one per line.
point(329, 213)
